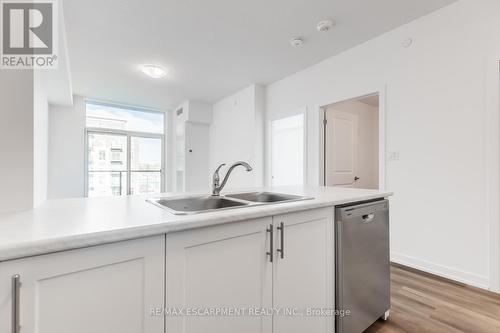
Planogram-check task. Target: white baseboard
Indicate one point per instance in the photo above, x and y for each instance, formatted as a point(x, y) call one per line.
point(440, 270)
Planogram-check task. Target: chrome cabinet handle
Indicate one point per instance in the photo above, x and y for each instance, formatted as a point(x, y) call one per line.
point(281, 228)
point(16, 284)
point(271, 243)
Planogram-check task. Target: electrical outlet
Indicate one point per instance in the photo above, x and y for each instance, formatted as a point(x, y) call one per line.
point(393, 155)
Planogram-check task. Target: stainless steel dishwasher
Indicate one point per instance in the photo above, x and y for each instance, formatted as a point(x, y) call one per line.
point(362, 272)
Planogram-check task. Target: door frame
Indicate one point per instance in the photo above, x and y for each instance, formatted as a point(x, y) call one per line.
point(382, 134)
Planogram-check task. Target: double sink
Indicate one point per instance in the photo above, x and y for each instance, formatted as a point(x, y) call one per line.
point(199, 204)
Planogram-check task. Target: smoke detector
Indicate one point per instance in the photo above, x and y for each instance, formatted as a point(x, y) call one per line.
point(324, 26)
point(407, 43)
point(296, 42)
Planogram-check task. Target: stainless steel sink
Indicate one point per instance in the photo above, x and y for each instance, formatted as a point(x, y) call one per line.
point(198, 204)
point(266, 197)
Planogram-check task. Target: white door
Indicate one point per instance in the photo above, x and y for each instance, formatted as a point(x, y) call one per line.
point(341, 149)
point(304, 271)
point(101, 289)
point(221, 268)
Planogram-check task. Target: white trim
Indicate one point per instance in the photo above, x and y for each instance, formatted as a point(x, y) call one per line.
point(382, 138)
point(491, 131)
point(269, 154)
point(305, 143)
point(441, 270)
point(168, 152)
point(129, 165)
point(382, 119)
point(322, 147)
point(86, 163)
point(122, 132)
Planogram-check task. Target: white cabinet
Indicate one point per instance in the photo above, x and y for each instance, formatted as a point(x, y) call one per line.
point(303, 277)
point(217, 279)
point(227, 266)
point(100, 289)
point(219, 268)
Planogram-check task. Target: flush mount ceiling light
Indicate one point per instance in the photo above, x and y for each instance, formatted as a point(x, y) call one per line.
point(324, 26)
point(296, 42)
point(154, 71)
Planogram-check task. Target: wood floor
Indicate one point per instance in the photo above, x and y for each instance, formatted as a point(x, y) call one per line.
point(424, 303)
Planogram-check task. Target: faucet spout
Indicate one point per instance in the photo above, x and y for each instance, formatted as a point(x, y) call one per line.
point(216, 187)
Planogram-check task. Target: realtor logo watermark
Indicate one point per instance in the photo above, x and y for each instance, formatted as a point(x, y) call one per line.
point(29, 37)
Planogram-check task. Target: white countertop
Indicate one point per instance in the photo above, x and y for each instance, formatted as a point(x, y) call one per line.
point(65, 224)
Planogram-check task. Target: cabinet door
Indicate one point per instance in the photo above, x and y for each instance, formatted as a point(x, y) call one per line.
point(100, 289)
point(304, 278)
point(219, 268)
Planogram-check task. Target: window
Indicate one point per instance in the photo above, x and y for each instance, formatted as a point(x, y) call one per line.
point(287, 151)
point(124, 151)
point(119, 118)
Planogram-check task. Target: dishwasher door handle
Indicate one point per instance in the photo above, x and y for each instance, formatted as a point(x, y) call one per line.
point(368, 218)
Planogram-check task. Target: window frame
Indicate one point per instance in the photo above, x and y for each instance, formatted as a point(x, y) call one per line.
point(128, 135)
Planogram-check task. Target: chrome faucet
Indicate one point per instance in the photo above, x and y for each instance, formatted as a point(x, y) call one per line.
point(216, 187)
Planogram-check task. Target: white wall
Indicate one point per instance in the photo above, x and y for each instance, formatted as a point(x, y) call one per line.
point(367, 140)
point(23, 140)
point(40, 138)
point(66, 156)
point(237, 134)
point(24, 112)
point(16, 140)
point(437, 117)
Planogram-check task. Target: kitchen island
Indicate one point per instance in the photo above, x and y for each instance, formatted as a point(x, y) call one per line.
point(125, 265)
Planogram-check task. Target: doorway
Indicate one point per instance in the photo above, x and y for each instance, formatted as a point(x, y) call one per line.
point(287, 137)
point(351, 143)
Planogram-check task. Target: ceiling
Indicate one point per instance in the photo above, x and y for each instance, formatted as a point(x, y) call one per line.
point(213, 48)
